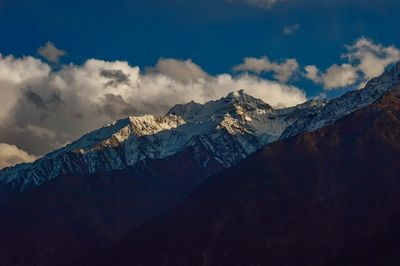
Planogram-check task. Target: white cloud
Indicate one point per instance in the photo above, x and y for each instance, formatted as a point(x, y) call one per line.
point(339, 76)
point(366, 60)
point(334, 77)
point(259, 3)
point(10, 155)
point(312, 73)
point(14, 74)
point(281, 71)
point(48, 108)
point(371, 58)
point(182, 71)
point(51, 52)
point(291, 29)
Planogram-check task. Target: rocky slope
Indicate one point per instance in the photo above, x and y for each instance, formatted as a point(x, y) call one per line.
point(75, 215)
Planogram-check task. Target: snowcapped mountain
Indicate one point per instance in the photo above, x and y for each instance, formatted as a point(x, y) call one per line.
point(229, 129)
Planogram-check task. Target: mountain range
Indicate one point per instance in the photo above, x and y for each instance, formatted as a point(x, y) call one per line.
point(228, 129)
point(229, 182)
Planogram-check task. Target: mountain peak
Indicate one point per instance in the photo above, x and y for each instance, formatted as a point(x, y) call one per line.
point(230, 104)
point(237, 94)
point(243, 98)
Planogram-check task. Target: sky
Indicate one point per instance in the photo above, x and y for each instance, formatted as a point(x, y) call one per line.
point(69, 67)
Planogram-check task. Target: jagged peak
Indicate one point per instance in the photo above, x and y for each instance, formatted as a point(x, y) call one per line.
point(231, 125)
point(150, 124)
point(185, 109)
point(236, 94)
point(233, 102)
point(244, 99)
point(119, 131)
point(313, 103)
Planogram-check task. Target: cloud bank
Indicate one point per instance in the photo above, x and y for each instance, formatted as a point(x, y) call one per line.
point(43, 108)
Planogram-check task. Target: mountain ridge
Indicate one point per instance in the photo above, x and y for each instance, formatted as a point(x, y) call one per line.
point(237, 118)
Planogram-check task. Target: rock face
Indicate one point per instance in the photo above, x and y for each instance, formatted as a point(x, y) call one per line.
point(327, 197)
point(229, 130)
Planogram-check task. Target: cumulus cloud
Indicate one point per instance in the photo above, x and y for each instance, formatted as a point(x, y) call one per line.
point(339, 76)
point(334, 77)
point(182, 71)
point(312, 73)
point(10, 155)
point(259, 3)
point(371, 58)
point(44, 108)
point(291, 29)
point(365, 60)
point(16, 73)
point(281, 71)
point(115, 76)
point(115, 106)
point(51, 52)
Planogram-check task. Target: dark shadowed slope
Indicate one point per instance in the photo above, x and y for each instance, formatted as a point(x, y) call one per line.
point(71, 216)
point(320, 198)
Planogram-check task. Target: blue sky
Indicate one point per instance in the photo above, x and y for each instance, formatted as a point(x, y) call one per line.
point(147, 55)
point(216, 34)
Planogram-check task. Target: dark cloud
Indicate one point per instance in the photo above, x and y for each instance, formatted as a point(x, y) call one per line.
point(115, 106)
point(54, 100)
point(35, 99)
point(51, 52)
point(116, 77)
point(78, 116)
